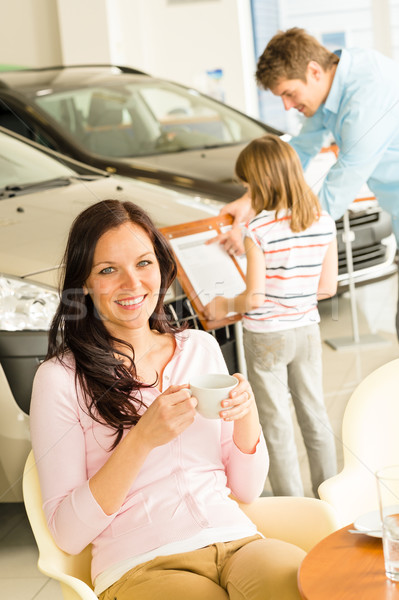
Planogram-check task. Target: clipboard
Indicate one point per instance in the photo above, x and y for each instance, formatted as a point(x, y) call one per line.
point(205, 271)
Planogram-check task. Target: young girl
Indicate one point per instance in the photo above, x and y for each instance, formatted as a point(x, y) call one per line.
point(291, 262)
point(125, 462)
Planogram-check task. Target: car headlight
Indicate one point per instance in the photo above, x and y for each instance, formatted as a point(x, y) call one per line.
point(25, 305)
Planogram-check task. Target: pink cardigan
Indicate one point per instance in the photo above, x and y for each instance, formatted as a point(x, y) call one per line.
point(182, 488)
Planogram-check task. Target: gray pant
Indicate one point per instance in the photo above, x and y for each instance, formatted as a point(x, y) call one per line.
point(282, 362)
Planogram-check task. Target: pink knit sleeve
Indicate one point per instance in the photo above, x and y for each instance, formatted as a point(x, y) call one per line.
point(73, 515)
point(246, 473)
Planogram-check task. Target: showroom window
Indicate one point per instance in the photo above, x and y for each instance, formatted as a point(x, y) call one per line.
point(265, 23)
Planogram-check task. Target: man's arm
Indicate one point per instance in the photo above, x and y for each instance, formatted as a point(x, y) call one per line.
point(365, 137)
point(241, 211)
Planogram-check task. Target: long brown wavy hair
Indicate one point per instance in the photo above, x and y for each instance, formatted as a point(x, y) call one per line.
point(108, 385)
point(274, 174)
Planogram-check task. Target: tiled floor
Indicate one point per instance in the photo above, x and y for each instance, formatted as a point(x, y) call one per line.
point(343, 370)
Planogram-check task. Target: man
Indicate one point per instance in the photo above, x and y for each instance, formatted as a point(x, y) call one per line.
point(352, 94)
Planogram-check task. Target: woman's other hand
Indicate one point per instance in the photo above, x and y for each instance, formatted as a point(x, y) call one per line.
point(167, 417)
point(240, 402)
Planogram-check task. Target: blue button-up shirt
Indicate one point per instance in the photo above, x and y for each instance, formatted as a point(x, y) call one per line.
point(362, 113)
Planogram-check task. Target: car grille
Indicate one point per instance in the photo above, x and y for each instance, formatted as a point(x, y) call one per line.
point(362, 258)
point(358, 219)
point(371, 228)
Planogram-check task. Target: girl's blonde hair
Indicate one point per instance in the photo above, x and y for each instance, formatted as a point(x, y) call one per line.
point(274, 174)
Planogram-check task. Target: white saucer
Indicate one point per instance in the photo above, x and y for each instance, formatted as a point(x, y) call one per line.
point(370, 524)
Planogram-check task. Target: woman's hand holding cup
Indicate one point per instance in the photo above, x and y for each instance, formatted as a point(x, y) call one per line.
point(222, 396)
point(240, 401)
point(213, 396)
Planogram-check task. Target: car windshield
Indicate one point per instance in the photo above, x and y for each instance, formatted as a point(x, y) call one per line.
point(21, 164)
point(146, 118)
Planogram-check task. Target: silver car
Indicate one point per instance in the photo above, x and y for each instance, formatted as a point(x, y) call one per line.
point(40, 194)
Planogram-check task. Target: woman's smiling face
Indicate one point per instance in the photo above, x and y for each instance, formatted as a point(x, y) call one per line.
point(125, 279)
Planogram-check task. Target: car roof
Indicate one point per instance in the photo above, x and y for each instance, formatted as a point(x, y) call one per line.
point(62, 76)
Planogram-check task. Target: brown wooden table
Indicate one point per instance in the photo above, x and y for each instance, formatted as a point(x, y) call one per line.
point(346, 566)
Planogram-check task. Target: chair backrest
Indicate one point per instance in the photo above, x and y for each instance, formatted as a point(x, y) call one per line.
point(73, 572)
point(107, 134)
point(371, 418)
point(370, 441)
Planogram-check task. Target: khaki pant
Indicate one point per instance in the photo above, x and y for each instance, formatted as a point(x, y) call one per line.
point(248, 569)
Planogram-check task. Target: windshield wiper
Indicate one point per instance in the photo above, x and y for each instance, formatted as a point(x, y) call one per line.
point(48, 183)
point(15, 189)
point(220, 145)
point(91, 177)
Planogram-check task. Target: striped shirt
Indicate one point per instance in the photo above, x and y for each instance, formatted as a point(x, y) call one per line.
point(293, 262)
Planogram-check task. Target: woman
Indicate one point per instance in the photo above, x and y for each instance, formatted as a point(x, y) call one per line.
point(124, 460)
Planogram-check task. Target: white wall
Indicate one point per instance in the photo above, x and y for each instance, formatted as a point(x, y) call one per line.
point(181, 41)
point(29, 33)
point(83, 31)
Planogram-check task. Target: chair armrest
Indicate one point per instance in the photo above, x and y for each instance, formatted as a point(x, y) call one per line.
point(351, 493)
point(72, 587)
point(300, 521)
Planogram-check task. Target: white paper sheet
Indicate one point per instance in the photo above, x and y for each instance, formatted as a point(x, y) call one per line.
point(208, 267)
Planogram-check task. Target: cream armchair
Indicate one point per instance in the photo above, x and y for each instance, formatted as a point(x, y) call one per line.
point(301, 521)
point(370, 441)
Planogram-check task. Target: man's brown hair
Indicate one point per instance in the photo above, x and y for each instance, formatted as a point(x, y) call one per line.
point(287, 56)
point(274, 175)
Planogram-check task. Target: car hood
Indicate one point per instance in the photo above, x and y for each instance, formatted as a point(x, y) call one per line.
point(211, 170)
point(34, 227)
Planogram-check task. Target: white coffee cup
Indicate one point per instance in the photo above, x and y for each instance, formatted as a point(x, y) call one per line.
point(210, 390)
